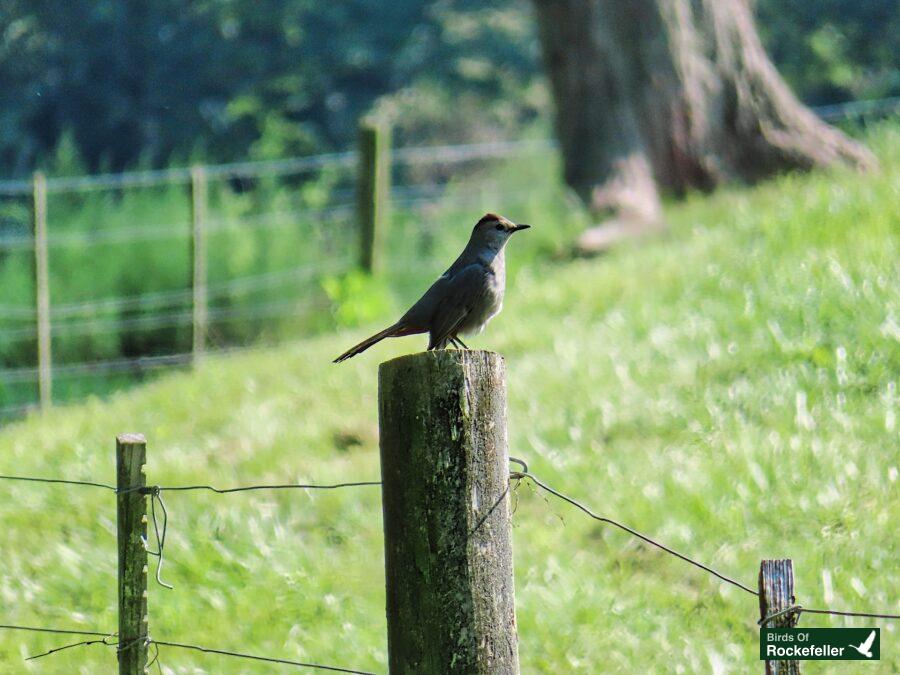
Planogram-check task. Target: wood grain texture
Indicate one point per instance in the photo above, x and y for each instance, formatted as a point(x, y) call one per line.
point(131, 514)
point(373, 190)
point(776, 593)
point(448, 541)
point(42, 292)
point(200, 305)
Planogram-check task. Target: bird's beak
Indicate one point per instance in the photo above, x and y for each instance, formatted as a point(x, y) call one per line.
point(520, 227)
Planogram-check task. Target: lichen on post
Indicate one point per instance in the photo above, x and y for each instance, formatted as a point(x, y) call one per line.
point(445, 487)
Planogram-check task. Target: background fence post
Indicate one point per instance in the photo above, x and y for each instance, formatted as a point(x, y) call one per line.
point(776, 593)
point(445, 496)
point(131, 512)
point(198, 261)
point(42, 291)
point(373, 190)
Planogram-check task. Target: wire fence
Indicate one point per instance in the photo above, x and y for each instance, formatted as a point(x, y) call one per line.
point(297, 165)
point(859, 109)
point(238, 309)
point(516, 476)
point(443, 154)
point(104, 639)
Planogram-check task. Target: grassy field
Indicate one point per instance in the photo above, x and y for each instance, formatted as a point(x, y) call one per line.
point(729, 388)
point(282, 262)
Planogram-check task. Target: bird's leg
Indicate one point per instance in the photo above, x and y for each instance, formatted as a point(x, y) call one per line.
point(457, 341)
point(454, 342)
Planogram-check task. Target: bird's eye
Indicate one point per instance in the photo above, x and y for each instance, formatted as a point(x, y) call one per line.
point(499, 227)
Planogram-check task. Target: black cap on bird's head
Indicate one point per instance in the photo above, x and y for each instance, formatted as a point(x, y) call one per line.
point(491, 221)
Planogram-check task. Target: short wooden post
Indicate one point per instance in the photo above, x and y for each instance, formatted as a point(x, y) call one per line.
point(198, 261)
point(373, 190)
point(776, 593)
point(445, 496)
point(42, 291)
point(131, 511)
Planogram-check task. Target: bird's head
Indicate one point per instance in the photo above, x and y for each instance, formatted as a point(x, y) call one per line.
point(493, 231)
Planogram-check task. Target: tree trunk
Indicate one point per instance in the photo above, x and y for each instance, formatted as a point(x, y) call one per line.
point(671, 95)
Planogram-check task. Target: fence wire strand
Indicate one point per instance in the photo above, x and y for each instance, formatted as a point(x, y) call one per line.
point(105, 637)
point(82, 643)
point(279, 308)
point(800, 609)
point(32, 479)
point(155, 498)
point(267, 659)
point(154, 492)
point(836, 612)
point(57, 631)
point(635, 533)
point(284, 486)
point(445, 154)
point(153, 489)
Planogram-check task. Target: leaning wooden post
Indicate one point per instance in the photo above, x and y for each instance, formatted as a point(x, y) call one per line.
point(131, 511)
point(42, 291)
point(776, 593)
point(373, 190)
point(198, 261)
point(445, 496)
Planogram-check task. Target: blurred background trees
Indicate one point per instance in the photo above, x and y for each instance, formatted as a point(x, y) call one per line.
point(147, 84)
point(154, 82)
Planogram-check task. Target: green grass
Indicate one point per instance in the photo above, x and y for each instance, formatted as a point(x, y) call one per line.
point(729, 388)
point(135, 242)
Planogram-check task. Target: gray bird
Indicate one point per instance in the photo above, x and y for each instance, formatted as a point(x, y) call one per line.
point(464, 298)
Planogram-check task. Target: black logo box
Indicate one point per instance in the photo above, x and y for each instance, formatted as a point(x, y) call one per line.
point(820, 644)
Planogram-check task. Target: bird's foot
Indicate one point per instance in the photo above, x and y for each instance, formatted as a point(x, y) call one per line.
point(459, 344)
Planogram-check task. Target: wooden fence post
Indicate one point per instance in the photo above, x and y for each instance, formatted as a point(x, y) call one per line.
point(445, 497)
point(198, 261)
point(42, 291)
point(373, 190)
point(776, 593)
point(131, 512)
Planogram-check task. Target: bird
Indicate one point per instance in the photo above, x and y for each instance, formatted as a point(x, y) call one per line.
point(464, 298)
point(865, 648)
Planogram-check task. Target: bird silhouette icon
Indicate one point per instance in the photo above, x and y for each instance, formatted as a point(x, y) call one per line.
point(864, 648)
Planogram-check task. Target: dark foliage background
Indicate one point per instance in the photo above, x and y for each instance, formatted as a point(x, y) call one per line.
point(150, 83)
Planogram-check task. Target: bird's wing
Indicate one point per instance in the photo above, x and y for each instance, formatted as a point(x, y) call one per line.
point(869, 641)
point(459, 294)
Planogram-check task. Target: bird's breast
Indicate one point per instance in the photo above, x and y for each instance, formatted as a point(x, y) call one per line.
point(489, 302)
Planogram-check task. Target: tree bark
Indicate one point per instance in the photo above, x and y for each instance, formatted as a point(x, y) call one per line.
point(672, 95)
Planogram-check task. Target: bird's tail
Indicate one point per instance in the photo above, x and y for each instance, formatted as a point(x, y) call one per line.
point(391, 331)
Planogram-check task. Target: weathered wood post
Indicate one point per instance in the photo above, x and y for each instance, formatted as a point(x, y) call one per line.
point(373, 190)
point(131, 512)
point(445, 495)
point(198, 260)
point(42, 291)
point(776, 593)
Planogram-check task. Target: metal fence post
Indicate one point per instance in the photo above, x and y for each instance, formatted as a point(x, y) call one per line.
point(131, 512)
point(445, 497)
